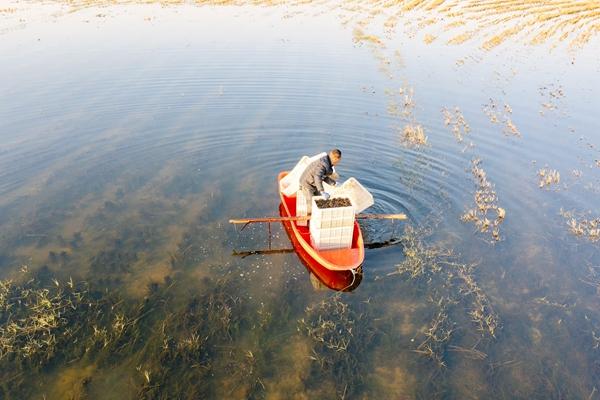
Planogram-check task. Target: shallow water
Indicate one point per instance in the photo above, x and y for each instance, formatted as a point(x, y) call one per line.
point(130, 134)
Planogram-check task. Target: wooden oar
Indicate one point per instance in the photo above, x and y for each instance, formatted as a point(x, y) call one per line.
point(283, 219)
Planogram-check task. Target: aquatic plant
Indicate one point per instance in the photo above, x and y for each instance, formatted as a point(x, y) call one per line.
point(437, 335)
point(340, 338)
point(413, 135)
point(450, 282)
point(481, 311)
point(37, 321)
point(582, 226)
point(593, 278)
point(547, 177)
point(420, 260)
point(179, 358)
point(496, 115)
point(44, 321)
point(486, 204)
point(460, 127)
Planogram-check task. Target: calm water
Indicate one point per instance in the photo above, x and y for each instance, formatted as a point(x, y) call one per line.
point(129, 135)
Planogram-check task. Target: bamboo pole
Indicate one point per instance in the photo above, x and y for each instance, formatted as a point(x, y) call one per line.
point(284, 219)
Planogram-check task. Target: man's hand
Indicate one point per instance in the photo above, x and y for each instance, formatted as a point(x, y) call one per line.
point(325, 195)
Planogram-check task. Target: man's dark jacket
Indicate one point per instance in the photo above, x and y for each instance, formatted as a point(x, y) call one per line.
point(316, 173)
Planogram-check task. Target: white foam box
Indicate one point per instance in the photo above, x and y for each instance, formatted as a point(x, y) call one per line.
point(291, 182)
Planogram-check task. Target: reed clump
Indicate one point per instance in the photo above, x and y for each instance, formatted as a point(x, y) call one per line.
point(580, 225)
point(487, 215)
point(420, 260)
point(413, 135)
point(548, 177)
point(498, 114)
point(456, 120)
point(593, 278)
point(552, 95)
point(401, 103)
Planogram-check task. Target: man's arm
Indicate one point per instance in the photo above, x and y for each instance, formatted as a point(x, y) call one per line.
point(329, 181)
point(320, 177)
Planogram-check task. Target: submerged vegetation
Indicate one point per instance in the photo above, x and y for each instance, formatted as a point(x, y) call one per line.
point(341, 338)
point(52, 323)
point(450, 283)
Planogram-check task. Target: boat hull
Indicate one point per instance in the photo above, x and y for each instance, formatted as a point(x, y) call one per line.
point(338, 269)
point(335, 280)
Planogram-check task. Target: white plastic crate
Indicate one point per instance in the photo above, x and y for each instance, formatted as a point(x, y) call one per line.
point(336, 222)
point(331, 217)
point(345, 215)
point(301, 207)
point(331, 238)
point(291, 182)
point(359, 196)
point(331, 228)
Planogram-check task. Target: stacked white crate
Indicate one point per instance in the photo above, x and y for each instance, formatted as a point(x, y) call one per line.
point(301, 207)
point(331, 228)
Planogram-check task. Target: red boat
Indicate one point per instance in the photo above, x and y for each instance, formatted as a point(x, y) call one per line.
point(338, 269)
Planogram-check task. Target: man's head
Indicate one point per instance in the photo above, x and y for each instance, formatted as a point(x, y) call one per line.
point(335, 156)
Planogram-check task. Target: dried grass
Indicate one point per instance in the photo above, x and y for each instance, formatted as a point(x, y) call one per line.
point(534, 22)
point(588, 228)
point(413, 135)
point(497, 114)
point(486, 215)
point(548, 177)
point(456, 120)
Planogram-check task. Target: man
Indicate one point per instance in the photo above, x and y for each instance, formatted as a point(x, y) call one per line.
point(317, 172)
